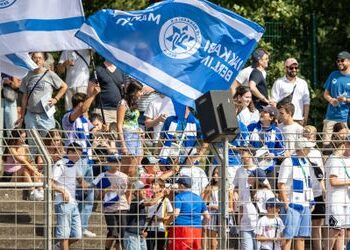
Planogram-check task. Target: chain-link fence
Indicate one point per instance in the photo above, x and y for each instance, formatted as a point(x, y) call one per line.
point(167, 193)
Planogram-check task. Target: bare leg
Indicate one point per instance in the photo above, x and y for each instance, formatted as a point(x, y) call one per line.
point(299, 244)
point(317, 234)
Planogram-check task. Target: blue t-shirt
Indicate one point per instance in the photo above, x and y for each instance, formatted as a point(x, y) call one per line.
point(338, 84)
point(191, 208)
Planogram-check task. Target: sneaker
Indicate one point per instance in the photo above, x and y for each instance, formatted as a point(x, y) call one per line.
point(89, 234)
point(39, 195)
point(32, 195)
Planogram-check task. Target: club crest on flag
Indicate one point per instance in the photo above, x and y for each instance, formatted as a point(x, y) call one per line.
point(180, 38)
point(6, 3)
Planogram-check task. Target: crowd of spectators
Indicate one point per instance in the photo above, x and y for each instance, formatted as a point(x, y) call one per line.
point(142, 156)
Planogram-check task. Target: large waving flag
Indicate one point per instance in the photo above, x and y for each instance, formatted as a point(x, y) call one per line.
point(16, 65)
point(182, 48)
point(40, 25)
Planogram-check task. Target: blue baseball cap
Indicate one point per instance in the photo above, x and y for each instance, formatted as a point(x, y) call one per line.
point(185, 180)
point(258, 173)
point(273, 202)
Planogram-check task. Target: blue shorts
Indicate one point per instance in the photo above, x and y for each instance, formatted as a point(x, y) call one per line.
point(68, 221)
point(297, 223)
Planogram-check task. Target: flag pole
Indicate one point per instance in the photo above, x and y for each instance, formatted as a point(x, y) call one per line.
point(99, 95)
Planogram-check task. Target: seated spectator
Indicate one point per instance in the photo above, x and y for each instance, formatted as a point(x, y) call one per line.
point(156, 113)
point(294, 184)
point(158, 213)
point(129, 132)
point(211, 197)
point(18, 165)
point(189, 208)
point(66, 174)
point(112, 186)
point(247, 113)
point(291, 130)
point(270, 227)
point(340, 131)
point(337, 196)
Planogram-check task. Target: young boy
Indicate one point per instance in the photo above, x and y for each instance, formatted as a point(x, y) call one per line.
point(65, 174)
point(270, 227)
point(113, 184)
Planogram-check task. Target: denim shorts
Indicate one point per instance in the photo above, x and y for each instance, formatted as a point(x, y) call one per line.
point(68, 221)
point(297, 222)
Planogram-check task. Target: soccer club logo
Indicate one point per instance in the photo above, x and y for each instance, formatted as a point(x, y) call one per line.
point(6, 3)
point(180, 38)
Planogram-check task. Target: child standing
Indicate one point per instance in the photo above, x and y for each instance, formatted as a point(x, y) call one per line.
point(113, 184)
point(270, 227)
point(65, 174)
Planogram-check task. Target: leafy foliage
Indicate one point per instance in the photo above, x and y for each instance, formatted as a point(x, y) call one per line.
point(288, 25)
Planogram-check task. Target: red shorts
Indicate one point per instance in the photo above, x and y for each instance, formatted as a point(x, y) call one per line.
point(184, 238)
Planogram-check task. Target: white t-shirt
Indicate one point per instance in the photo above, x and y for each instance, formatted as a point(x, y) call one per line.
point(270, 228)
point(199, 178)
point(247, 117)
point(159, 105)
point(244, 74)
point(291, 134)
point(315, 156)
point(282, 87)
point(119, 183)
point(250, 216)
point(164, 209)
point(66, 177)
point(339, 167)
point(78, 74)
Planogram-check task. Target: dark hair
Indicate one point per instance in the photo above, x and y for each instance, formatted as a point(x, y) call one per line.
point(78, 98)
point(12, 140)
point(338, 126)
point(131, 91)
point(240, 91)
point(288, 107)
point(96, 117)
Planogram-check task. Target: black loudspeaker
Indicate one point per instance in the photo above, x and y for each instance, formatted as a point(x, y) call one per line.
point(217, 116)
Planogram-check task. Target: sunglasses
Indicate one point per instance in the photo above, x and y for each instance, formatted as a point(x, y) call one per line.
point(340, 60)
point(293, 67)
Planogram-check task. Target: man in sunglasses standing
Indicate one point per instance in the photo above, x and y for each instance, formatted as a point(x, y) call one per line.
point(291, 88)
point(337, 94)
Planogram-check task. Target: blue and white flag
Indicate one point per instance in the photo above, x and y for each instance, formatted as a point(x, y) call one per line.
point(182, 48)
point(16, 65)
point(40, 25)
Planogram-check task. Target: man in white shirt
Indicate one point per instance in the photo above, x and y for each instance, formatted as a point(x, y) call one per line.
point(290, 129)
point(285, 86)
point(76, 65)
point(156, 113)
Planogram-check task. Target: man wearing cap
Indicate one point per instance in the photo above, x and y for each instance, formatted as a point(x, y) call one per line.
point(189, 208)
point(294, 182)
point(337, 94)
point(257, 79)
point(295, 87)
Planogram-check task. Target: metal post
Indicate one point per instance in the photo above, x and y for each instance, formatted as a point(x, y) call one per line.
point(223, 201)
point(47, 187)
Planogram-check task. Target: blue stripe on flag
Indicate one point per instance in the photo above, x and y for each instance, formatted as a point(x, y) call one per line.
point(41, 25)
point(16, 60)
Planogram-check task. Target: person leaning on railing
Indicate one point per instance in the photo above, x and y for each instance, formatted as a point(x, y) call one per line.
point(18, 165)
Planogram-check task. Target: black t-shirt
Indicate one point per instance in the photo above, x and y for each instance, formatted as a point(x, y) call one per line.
point(111, 87)
point(260, 81)
point(136, 217)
